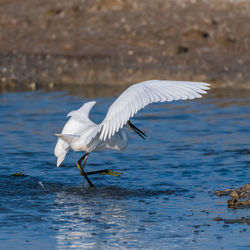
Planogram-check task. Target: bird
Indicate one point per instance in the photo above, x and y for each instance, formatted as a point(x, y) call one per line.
point(82, 134)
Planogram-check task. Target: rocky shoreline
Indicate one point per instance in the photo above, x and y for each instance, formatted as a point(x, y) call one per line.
point(116, 43)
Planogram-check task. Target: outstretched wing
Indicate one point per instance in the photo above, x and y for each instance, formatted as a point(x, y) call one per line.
point(141, 94)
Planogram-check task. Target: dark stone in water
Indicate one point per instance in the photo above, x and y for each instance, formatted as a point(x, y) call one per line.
point(19, 175)
point(234, 203)
point(241, 220)
point(240, 196)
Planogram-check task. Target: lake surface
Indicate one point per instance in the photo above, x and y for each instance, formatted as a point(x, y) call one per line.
point(163, 200)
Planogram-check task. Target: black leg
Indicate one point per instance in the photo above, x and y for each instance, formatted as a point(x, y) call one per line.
point(81, 168)
point(136, 130)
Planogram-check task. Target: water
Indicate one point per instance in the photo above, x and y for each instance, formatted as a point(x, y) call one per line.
point(163, 200)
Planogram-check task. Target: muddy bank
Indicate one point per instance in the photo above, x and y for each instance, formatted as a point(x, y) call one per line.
point(114, 42)
point(240, 197)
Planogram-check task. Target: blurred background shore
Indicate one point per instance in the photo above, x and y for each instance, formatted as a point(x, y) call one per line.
point(51, 44)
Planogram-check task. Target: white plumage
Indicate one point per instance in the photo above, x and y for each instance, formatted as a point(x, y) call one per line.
point(82, 134)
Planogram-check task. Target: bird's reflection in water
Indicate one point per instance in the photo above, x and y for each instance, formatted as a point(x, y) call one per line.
point(92, 217)
point(101, 217)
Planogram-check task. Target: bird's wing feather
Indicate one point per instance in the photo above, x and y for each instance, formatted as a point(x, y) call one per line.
point(78, 121)
point(68, 138)
point(82, 114)
point(141, 94)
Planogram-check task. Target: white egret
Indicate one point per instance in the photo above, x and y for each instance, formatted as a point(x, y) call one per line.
point(82, 134)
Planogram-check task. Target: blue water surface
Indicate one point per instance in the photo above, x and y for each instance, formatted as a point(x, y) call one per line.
point(163, 200)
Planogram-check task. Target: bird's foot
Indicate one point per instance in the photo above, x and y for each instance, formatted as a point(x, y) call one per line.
point(112, 173)
point(104, 172)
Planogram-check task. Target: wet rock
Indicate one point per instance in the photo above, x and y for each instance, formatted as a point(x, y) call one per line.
point(240, 196)
point(20, 174)
point(240, 193)
point(217, 219)
point(241, 220)
point(234, 203)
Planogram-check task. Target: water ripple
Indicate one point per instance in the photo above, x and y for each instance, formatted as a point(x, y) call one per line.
point(164, 198)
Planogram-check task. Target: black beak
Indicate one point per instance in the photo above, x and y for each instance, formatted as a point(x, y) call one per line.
point(137, 130)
